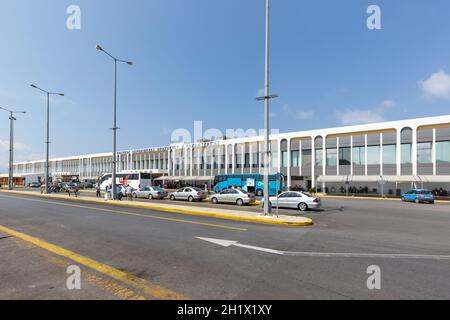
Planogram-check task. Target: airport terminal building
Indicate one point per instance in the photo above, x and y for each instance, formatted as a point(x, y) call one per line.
point(388, 156)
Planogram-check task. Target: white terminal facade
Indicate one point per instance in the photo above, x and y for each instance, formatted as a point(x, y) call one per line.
point(395, 155)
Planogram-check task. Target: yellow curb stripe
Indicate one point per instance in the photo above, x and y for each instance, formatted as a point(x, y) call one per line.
point(129, 279)
point(125, 212)
point(305, 223)
point(109, 286)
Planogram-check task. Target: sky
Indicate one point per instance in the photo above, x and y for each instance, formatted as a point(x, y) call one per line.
point(203, 60)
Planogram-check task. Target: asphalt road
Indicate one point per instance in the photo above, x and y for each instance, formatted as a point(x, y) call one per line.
point(163, 251)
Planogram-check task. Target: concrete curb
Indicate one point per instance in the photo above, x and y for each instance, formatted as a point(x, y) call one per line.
point(235, 217)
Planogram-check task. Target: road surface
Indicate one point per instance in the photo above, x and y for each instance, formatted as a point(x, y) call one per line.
point(161, 254)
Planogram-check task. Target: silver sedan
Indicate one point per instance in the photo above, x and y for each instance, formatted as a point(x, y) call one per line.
point(235, 196)
point(296, 200)
point(190, 194)
point(150, 193)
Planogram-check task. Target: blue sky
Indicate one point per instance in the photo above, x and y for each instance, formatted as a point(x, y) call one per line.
point(204, 60)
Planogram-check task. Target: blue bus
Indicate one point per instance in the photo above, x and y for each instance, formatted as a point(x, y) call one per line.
point(253, 183)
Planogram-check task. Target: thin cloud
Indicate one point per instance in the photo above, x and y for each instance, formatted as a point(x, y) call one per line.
point(437, 86)
point(364, 116)
point(298, 114)
point(304, 115)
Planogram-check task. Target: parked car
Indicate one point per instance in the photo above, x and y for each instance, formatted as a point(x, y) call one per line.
point(34, 185)
point(150, 193)
point(67, 186)
point(86, 185)
point(191, 194)
point(235, 196)
point(418, 196)
point(302, 201)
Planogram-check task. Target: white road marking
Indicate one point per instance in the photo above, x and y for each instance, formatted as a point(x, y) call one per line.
point(228, 243)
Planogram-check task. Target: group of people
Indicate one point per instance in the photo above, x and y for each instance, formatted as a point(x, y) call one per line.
point(441, 192)
point(121, 192)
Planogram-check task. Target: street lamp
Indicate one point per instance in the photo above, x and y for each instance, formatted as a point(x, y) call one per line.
point(266, 98)
point(48, 134)
point(114, 128)
point(11, 145)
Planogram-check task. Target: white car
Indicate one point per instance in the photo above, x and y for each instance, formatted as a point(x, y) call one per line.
point(295, 200)
point(191, 194)
point(235, 196)
point(150, 193)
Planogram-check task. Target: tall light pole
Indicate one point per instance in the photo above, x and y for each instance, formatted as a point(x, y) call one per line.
point(47, 142)
point(11, 145)
point(266, 98)
point(114, 128)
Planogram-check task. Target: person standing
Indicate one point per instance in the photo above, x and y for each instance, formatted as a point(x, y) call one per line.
point(129, 192)
point(119, 192)
point(98, 191)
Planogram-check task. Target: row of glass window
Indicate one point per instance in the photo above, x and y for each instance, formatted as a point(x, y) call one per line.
point(343, 155)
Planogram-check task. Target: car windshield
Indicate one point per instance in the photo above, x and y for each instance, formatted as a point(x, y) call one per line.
point(157, 188)
point(197, 189)
point(307, 194)
point(425, 192)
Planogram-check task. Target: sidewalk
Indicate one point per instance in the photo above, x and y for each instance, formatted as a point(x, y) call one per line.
point(358, 197)
point(282, 220)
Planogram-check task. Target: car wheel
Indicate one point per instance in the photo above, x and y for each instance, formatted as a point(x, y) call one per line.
point(303, 207)
point(150, 197)
point(215, 200)
point(191, 199)
point(240, 202)
point(417, 201)
point(135, 195)
point(172, 198)
point(259, 193)
point(403, 199)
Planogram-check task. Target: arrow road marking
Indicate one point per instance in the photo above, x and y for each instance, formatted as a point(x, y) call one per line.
point(228, 243)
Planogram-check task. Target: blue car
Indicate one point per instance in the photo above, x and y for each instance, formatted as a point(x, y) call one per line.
point(419, 196)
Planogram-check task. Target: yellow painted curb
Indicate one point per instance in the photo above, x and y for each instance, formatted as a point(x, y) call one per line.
point(148, 288)
point(308, 222)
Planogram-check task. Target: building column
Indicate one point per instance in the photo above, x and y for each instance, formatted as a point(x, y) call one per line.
point(226, 158)
point(250, 150)
point(185, 155)
point(243, 158)
point(260, 158)
point(399, 152)
point(313, 162)
point(300, 158)
point(324, 161)
point(233, 152)
point(381, 154)
point(337, 156)
point(433, 153)
point(191, 160)
point(279, 155)
point(414, 151)
point(365, 155)
point(351, 156)
point(169, 163)
point(174, 159)
point(289, 165)
point(199, 160)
